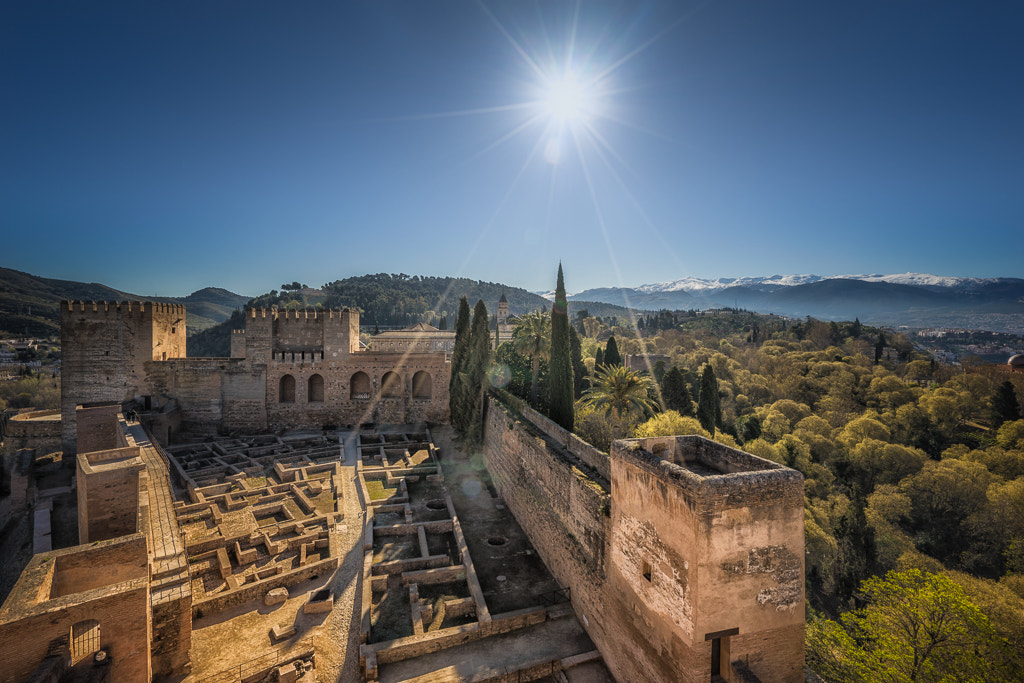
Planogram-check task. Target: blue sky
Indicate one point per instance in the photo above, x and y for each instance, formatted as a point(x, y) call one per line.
point(160, 147)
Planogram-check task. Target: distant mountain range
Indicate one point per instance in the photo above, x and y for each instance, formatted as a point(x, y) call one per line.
point(914, 299)
point(30, 305)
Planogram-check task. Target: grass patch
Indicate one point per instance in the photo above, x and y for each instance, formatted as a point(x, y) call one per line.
point(256, 482)
point(377, 490)
point(324, 503)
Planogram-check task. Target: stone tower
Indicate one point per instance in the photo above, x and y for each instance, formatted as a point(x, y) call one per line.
point(105, 347)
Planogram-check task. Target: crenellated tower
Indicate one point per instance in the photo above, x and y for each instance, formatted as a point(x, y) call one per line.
point(104, 349)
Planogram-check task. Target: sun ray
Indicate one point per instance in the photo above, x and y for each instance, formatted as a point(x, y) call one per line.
point(462, 112)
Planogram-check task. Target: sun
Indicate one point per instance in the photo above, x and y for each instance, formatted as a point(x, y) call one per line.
point(568, 100)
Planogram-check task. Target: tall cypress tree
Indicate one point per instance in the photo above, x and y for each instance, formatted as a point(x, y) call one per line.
point(709, 405)
point(459, 354)
point(560, 366)
point(675, 393)
point(1004, 404)
point(611, 352)
point(475, 376)
point(598, 358)
point(579, 370)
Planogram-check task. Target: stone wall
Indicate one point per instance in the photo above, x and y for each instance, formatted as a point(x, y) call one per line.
point(37, 429)
point(99, 428)
point(703, 543)
point(108, 493)
point(340, 406)
point(104, 347)
point(38, 616)
point(115, 353)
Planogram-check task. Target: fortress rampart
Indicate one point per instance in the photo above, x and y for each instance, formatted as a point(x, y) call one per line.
point(667, 587)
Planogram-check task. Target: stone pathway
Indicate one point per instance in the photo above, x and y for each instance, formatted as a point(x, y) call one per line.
point(166, 548)
point(337, 640)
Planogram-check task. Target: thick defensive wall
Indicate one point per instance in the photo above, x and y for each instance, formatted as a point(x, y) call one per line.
point(684, 557)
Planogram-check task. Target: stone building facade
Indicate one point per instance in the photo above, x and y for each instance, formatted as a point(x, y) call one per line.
point(287, 369)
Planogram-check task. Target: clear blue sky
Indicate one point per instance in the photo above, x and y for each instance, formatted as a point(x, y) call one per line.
point(159, 147)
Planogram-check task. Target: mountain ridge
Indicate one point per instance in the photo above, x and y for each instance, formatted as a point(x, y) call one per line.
point(30, 304)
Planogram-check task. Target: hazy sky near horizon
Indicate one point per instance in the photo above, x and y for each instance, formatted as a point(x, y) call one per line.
point(160, 147)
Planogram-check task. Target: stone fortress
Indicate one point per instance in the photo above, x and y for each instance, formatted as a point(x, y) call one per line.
point(682, 559)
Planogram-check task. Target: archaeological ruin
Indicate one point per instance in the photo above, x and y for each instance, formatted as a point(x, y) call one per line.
point(301, 511)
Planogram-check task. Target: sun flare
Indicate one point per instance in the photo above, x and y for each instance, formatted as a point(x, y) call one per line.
point(568, 100)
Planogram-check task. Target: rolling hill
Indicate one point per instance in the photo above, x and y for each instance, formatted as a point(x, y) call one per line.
point(30, 305)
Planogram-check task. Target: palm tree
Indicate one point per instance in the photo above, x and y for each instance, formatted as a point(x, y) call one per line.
point(532, 337)
point(618, 389)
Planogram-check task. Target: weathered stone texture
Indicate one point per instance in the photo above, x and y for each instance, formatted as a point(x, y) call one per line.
point(104, 347)
point(703, 542)
point(108, 493)
point(108, 582)
point(289, 369)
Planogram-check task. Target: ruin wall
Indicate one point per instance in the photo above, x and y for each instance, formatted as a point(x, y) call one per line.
point(108, 493)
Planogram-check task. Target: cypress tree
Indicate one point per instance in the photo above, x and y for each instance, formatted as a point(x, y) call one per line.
point(458, 362)
point(675, 393)
point(560, 366)
point(611, 352)
point(709, 405)
point(579, 370)
point(475, 375)
point(1004, 404)
point(598, 358)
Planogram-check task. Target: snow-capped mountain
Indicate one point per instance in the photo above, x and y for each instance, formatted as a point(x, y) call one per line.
point(694, 284)
point(701, 286)
point(899, 298)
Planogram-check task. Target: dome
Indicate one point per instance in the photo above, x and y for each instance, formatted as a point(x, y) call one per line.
point(1016, 361)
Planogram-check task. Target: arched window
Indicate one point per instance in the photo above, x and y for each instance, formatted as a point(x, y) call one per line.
point(286, 392)
point(360, 386)
point(391, 385)
point(85, 639)
point(315, 386)
point(421, 385)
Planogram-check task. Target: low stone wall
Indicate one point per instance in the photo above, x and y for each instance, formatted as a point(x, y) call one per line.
point(38, 429)
point(254, 591)
point(416, 646)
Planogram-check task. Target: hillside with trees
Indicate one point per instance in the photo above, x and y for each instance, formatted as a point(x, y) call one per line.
point(30, 305)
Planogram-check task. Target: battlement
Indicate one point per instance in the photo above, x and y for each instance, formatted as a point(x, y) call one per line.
point(707, 470)
point(109, 309)
point(309, 314)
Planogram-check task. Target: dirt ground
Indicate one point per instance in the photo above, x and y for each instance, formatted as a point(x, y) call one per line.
point(511, 573)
